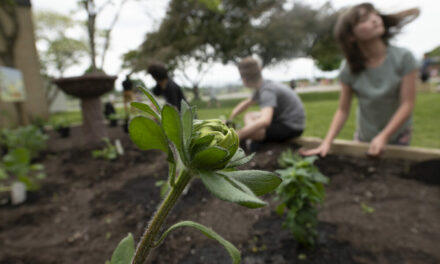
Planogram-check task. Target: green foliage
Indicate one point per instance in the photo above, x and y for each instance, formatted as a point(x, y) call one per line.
point(301, 191)
point(196, 148)
point(233, 251)
point(28, 137)
point(109, 152)
point(17, 164)
point(205, 31)
point(62, 52)
point(60, 123)
point(124, 251)
point(434, 52)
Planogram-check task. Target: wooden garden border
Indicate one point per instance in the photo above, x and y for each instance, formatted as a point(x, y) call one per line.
point(352, 148)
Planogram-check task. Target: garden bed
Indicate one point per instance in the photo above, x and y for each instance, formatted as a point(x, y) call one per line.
point(87, 205)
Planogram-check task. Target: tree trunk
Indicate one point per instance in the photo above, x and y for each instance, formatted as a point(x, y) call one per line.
point(196, 92)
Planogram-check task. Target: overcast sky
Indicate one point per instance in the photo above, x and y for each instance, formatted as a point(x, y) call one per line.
point(139, 17)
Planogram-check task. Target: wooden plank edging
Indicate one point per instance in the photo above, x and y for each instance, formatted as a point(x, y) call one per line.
point(359, 149)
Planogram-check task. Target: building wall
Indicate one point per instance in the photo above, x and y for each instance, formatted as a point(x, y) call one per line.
point(26, 60)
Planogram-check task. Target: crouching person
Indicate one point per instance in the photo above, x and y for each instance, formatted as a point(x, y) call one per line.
point(281, 116)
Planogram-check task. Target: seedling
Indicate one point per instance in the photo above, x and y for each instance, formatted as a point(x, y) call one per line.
point(194, 148)
point(17, 164)
point(300, 193)
point(109, 152)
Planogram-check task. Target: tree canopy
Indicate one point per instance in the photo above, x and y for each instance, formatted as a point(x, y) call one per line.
point(225, 31)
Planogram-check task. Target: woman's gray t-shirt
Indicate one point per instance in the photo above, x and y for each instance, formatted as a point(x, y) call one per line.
point(288, 108)
point(378, 92)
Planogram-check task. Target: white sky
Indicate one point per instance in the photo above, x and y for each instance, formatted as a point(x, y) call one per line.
point(139, 17)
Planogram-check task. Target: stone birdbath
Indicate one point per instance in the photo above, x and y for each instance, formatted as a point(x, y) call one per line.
point(88, 88)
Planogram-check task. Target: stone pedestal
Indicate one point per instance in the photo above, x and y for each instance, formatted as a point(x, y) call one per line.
point(88, 88)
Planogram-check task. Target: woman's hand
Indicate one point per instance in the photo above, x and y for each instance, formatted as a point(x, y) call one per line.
point(377, 145)
point(322, 150)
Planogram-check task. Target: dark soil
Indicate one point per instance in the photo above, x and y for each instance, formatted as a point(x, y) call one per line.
point(86, 206)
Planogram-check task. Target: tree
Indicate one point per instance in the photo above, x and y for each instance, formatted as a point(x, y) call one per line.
point(9, 29)
point(57, 52)
point(235, 29)
point(92, 12)
point(205, 31)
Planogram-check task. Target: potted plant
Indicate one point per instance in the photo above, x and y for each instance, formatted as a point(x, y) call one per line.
point(62, 126)
point(113, 119)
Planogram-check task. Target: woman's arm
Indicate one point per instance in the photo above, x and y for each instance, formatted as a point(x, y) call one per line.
point(243, 105)
point(338, 122)
point(407, 100)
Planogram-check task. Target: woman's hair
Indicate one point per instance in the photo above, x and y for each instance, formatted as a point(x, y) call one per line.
point(344, 35)
point(158, 71)
point(250, 69)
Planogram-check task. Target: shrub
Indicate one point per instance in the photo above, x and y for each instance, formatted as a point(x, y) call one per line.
point(17, 163)
point(28, 137)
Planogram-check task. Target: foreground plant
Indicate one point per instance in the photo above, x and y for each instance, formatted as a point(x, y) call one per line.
point(300, 193)
point(195, 148)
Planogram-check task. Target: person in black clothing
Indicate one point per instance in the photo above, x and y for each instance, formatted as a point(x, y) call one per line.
point(165, 86)
point(127, 86)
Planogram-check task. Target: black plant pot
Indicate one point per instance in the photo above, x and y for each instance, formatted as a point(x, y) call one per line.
point(113, 122)
point(3, 150)
point(64, 132)
point(125, 127)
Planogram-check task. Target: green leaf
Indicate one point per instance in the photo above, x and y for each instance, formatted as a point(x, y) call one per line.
point(147, 134)
point(3, 174)
point(124, 251)
point(239, 159)
point(187, 123)
point(200, 143)
point(172, 126)
point(227, 190)
point(151, 97)
point(145, 108)
point(37, 166)
point(232, 250)
point(260, 182)
point(210, 158)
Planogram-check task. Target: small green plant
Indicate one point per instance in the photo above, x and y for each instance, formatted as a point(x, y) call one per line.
point(109, 152)
point(367, 209)
point(208, 150)
point(28, 137)
point(301, 191)
point(17, 163)
point(60, 123)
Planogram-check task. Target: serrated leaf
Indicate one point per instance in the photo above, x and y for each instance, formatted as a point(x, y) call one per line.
point(145, 108)
point(3, 174)
point(151, 97)
point(124, 251)
point(239, 158)
point(260, 182)
point(172, 126)
point(187, 123)
point(210, 158)
point(232, 250)
point(224, 189)
point(147, 134)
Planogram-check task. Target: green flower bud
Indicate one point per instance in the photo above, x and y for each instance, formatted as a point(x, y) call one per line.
point(209, 134)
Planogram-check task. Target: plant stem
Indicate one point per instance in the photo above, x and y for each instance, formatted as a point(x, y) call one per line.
point(158, 219)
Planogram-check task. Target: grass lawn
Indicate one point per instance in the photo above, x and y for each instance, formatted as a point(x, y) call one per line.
point(320, 108)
